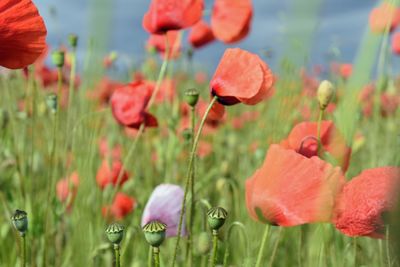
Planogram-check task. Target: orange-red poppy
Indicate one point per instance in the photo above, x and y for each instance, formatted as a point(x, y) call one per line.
point(121, 207)
point(22, 33)
point(365, 200)
point(230, 20)
point(345, 70)
point(111, 175)
point(167, 15)
point(290, 189)
point(383, 16)
point(201, 34)
point(241, 77)
point(168, 45)
point(67, 187)
point(303, 139)
point(128, 104)
point(396, 43)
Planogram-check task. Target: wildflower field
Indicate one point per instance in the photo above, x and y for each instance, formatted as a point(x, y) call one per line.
point(167, 163)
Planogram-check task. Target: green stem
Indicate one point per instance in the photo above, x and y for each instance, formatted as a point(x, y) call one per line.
point(192, 192)
point(156, 254)
point(117, 255)
point(388, 247)
point(213, 258)
point(149, 257)
point(189, 173)
point(23, 249)
point(275, 247)
point(262, 248)
point(355, 251)
point(240, 226)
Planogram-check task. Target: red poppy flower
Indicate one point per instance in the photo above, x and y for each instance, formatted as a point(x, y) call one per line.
point(22, 33)
point(158, 42)
point(365, 200)
point(230, 20)
point(290, 189)
point(167, 15)
point(128, 104)
point(385, 15)
point(67, 187)
point(303, 139)
point(105, 150)
point(396, 43)
point(111, 175)
point(241, 77)
point(201, 35)
point(345, 70)
point(121, 206)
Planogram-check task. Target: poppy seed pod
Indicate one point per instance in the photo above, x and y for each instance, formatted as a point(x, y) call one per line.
point(58, 58)
point(325, 94)
point(154, 232)
point(73, 40)
point(216, 217)
point(115, 233)
point(192, 96)
point(20, 221)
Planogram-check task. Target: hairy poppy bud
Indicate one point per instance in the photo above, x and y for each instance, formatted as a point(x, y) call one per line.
point(73, 40)
point(58, 58)
point(192, 96)
point(154, 232)
point(203, 243)
point(20, 221)
point(325, 94)
point(216, 217)
point(115, 233)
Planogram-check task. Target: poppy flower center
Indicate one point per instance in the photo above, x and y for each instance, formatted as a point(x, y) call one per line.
point(308, 146)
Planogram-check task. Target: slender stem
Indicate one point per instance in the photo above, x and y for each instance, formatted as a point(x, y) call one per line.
point(388, 247)
point(117, 255)
point(355, 251)
point(240, 226)
point(320, 116)
point(271, 262)
point(262, 248)
point(189, 172)
point(156, 255)
point(23, 249)
point(149, 257)
point(213, 258)
point(300, 249)
point(71, 89)
point(192, 200)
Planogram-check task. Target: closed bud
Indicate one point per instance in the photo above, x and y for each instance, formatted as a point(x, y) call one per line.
point(58, 58)
point(154, 232)
point(192, 96)
point(73, 40)
point(20, 221)
point(115, 233)
point(325, 94)
point(216, 217)
point(187, 134)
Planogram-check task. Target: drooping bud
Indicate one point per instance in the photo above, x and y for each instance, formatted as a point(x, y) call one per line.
point(20, 221)
point(73, 40)
point(216, 217)
point(115, 233)
point(325, 94)
point(58, 58)
point(192, 96)
point(154, 232)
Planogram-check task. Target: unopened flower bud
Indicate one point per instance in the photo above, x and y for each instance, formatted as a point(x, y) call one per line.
point(58, 58)
point(192, 96)
point(73, 40)
point(325, 94)
point(52, 102)
point(216, 217)
point(115, 233)
point(154, 232)
point(20, 221)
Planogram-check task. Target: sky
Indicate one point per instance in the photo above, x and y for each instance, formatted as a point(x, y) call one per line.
point(335, 29)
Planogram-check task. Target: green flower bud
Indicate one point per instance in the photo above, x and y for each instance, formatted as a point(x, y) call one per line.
point(187, 134)
point(73, 40)
point(20, 221)
point(52, 102)
point(154, 232)
point(203, 243)
point(192, 96)
point(115, 233)
point(216, 217)
point(58, 58)
point(325, 94)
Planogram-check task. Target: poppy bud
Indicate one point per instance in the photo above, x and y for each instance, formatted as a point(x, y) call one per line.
point(216, 217)
point(51, 101)
point(73, 40)
point(192, 96)
point(203, 244)
point(58, 58)
point(115, 233)
point(187, 134)
point(20, 221)
point(154, 232)
point(325, 94)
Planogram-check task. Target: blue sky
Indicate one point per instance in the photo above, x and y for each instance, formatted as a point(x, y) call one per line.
point(340, 24)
